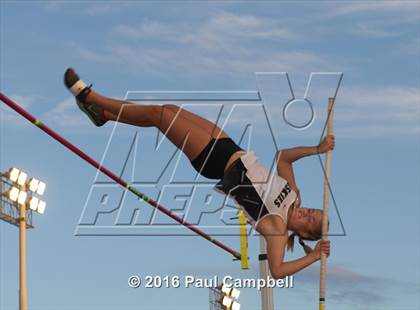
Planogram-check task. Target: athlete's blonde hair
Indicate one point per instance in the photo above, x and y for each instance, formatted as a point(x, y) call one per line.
point(314, 234)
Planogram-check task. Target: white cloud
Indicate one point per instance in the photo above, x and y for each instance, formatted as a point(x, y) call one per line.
point(93, 8)
point(10, 117)
point(240, 61)
point(360, 290)
point(375, 19)
point(53, 5)
point(66, 114)
point(97, 57)
point(367, 112)
point(147, 29)
point(393, 7)
point(220, 44)
point(228, 26)
point(361, 112)
point(217, 29)
point(410, 48)
point(108, 7)
point(26, 101)
point(384, 97)
point(367, 30)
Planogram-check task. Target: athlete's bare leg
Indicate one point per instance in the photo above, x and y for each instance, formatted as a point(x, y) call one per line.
point(114, 106)
point(205, 124)
point(187, 135)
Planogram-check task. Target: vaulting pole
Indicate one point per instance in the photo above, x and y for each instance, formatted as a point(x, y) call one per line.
point(107, 172)
point(323, 270)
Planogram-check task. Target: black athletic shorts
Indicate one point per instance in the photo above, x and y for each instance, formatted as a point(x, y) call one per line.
point(212, 160)
point(236, 184)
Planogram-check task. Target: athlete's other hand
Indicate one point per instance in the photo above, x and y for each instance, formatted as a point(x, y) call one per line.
point(321, 246)
point(327, 144)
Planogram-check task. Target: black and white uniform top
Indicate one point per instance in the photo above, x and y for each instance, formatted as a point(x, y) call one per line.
point(256, 190)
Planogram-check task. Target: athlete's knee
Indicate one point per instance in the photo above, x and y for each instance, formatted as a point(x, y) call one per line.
point(171, 107)
point(165, 113)
point(171, 110)
point(151, 113)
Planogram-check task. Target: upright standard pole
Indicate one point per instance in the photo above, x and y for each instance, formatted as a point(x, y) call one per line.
point(22, 256)
point(323, 270)
point(266, 291)
point(243, 239)
point(111, 175)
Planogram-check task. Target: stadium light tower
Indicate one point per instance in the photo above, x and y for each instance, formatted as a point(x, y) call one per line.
point(18, 200)
point(224, 297)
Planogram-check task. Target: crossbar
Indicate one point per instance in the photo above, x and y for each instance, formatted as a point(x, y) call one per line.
point(111, 175)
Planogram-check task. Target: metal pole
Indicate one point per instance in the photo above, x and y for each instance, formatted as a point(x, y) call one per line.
point(117, 179)
point(22, 256)
point(323, 270)
point(266, 292)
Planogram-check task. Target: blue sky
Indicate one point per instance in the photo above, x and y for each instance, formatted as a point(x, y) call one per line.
point(176, 45)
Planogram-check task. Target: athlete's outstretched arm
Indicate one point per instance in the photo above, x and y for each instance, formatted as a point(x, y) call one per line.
point(275, 253)
point(293, 154)
point(286, 157)
point(285, 170)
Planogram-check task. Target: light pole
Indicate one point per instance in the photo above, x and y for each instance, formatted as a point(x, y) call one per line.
point(17, 202)
point(22, 254)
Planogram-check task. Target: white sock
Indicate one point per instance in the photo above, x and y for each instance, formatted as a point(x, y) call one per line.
point(77, 88)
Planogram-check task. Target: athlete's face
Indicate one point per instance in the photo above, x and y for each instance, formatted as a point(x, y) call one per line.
point(306, 220)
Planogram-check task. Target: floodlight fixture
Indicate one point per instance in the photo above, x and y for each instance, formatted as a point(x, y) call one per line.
point(41, 188)
point(230, 291)
point(37, 205)
point(230, 304)
point(236, 306)
point(235, 293)
point(22, 197)
point(14, 174)
point(33, 184)
point(14, 194)
point(227, 302)
point(36, 186)
point(226, 289)
point(22, 178)
point(33, 203)
point(41, 207)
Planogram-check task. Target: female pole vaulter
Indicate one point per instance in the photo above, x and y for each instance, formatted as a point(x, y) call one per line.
point(270, 202)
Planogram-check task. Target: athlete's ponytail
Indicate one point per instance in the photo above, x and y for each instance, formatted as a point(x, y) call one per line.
point(291, 243)
point(305, 247)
